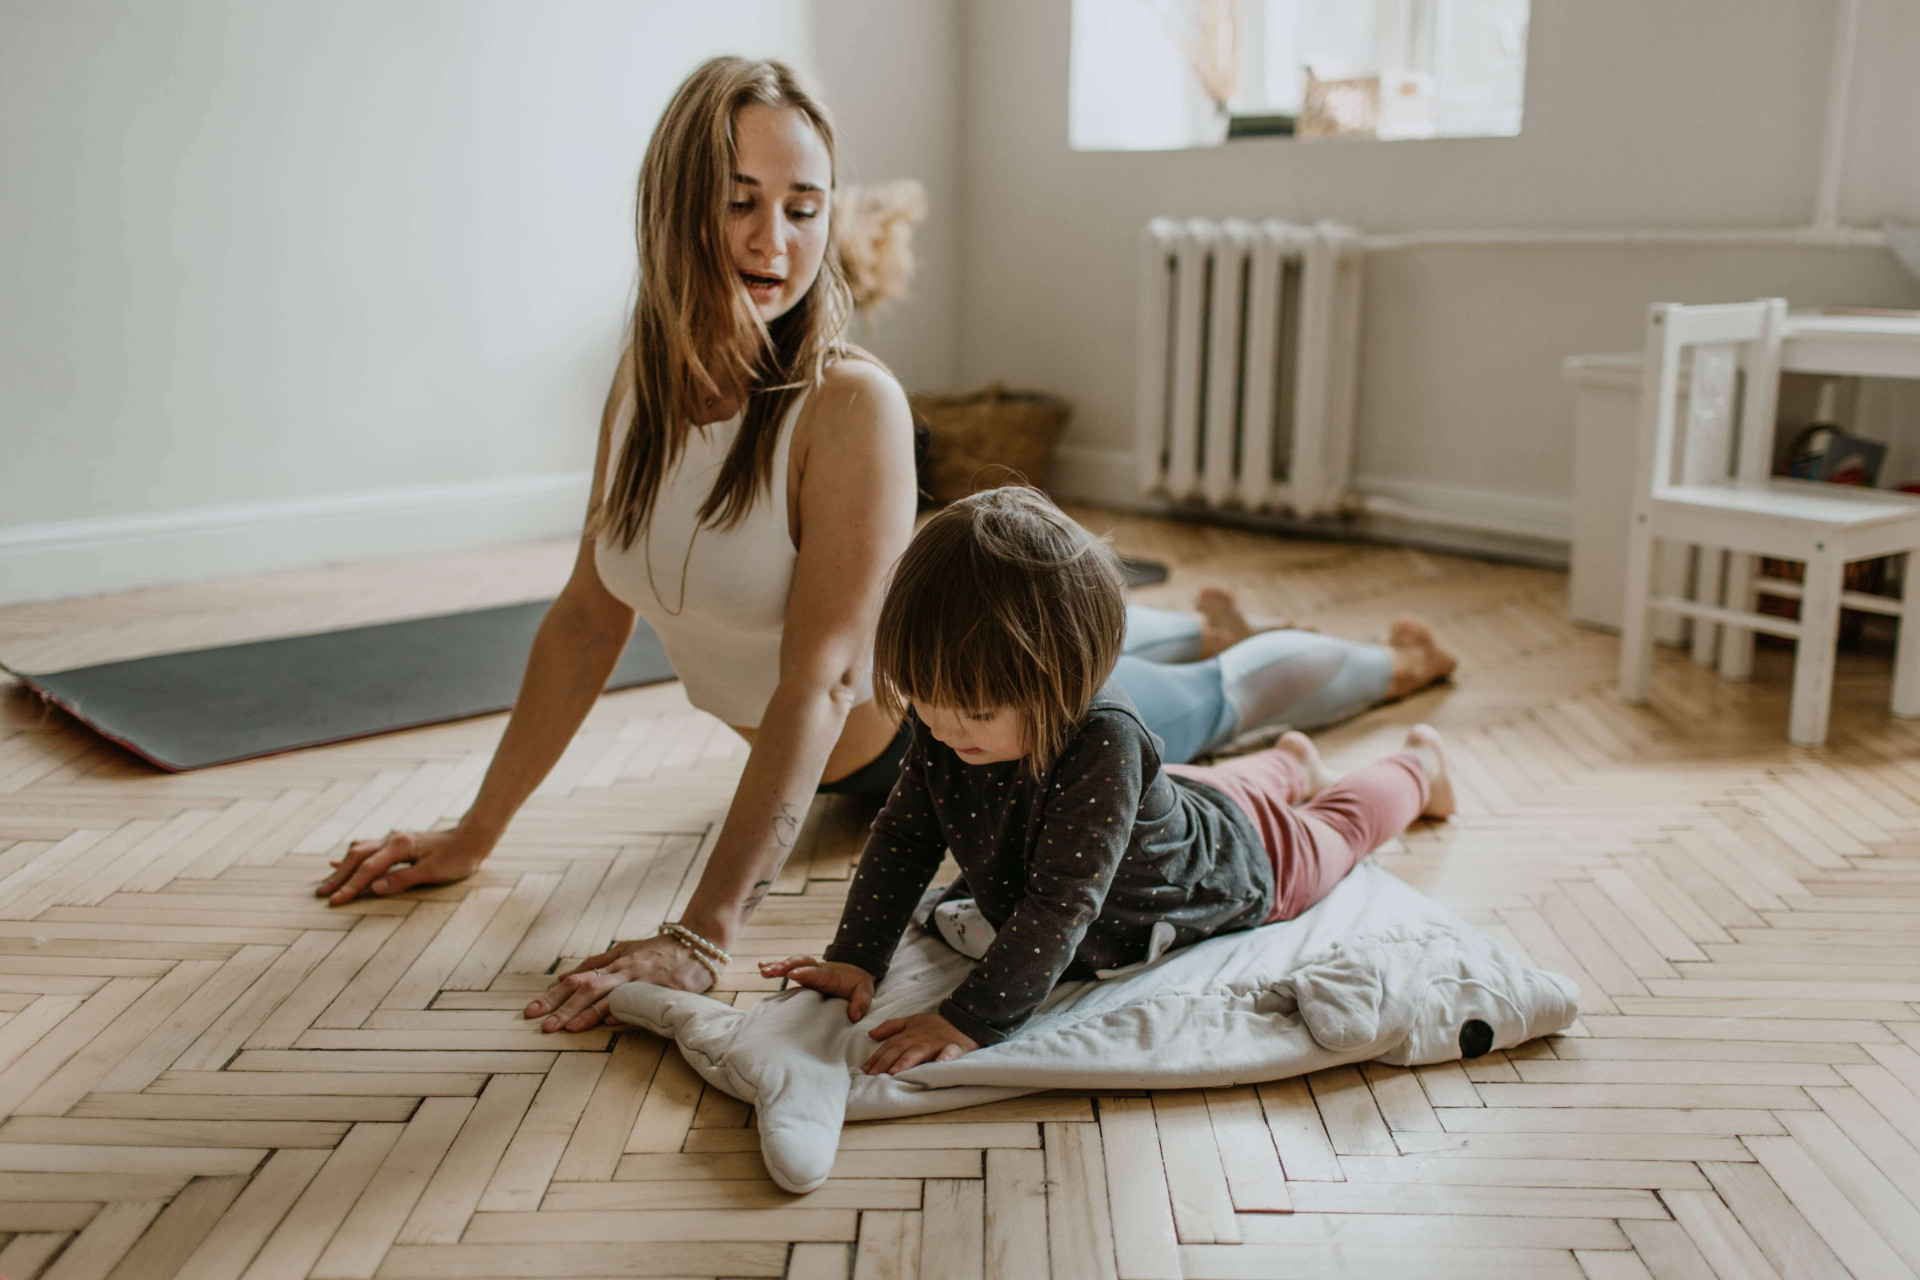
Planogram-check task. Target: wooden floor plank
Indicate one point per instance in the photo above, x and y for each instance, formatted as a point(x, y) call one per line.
point(179, 1229)
point(1144, 1236)
point(1202, 1204)
point(1080, 1239)
point(224, 1252)
point(1016, 1216)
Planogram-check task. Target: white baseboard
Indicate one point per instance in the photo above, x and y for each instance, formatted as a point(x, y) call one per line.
point(1531, 527)
point(116, 553)
point(1517, 515)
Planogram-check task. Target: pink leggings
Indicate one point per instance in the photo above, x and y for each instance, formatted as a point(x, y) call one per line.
point(1315, 845)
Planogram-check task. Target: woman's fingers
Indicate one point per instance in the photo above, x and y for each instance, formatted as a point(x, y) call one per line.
point(564, 986)
point(578, 996)
point(600, 961)
point(859, 1002)
point(347, 864)
point(949, 1053)
point(888, 1028)
point(404, 878)
point(590, 1017)
point(396, 850)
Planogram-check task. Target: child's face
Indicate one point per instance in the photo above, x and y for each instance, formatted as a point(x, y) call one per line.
point(976, 737)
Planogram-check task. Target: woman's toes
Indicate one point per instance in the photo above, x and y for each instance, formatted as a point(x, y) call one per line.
point(1414, 637)
point(1222, 624)
point(1418, 659)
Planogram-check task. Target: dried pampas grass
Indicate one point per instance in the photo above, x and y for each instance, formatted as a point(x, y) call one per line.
point(874, 232)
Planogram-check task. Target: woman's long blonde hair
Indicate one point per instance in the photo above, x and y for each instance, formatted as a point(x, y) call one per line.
point(695, 333)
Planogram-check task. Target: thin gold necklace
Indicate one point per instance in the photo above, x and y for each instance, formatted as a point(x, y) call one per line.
point(684, 560)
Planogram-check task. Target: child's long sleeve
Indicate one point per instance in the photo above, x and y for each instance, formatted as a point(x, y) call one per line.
point(903, 853)
point(1086, 825)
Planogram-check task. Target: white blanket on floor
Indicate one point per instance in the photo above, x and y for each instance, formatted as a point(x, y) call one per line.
point(1376, 971)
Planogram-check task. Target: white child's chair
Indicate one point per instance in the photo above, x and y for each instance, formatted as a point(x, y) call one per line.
point(1725, 500)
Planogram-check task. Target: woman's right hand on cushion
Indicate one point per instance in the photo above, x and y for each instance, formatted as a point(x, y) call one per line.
point(829, 977)
point(402, 859)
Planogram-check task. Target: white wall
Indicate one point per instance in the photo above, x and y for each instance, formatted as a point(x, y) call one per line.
point(891, 70)
point(287, 283)
point(1639, 114)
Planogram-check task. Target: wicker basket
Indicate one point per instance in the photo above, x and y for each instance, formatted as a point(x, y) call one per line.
point(988, 438)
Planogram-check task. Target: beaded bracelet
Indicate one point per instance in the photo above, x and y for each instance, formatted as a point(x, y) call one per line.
point(674, 929)
point(711, 957)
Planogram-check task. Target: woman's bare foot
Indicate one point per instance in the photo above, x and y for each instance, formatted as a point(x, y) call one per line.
point(1418, 659)
point(1307, 756)
point(1423, 740)
point(1223, 625)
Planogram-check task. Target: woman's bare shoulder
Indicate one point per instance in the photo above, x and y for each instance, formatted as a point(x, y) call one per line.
point(856, 405)
point(859, 377)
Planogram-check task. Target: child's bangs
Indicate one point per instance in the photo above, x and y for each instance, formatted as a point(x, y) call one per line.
point(973, 671)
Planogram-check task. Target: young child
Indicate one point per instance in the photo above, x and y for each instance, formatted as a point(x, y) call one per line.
point(997, 640)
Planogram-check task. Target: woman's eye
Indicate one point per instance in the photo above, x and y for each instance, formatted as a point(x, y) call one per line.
point(803, 215)
point(740, 206)
point(982, 719)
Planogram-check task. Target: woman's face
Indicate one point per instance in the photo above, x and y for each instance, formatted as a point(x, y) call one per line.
point(977, 737)
point(779, 208)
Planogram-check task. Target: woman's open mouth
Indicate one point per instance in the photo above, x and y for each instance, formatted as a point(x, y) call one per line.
point(762, 288)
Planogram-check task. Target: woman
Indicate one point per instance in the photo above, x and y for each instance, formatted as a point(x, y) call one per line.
point(754, 483)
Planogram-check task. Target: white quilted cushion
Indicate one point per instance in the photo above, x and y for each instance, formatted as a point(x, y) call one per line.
point(1376, 971)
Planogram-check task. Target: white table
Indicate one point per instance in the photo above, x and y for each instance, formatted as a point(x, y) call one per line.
point(1863, 346)
point(1606, 421)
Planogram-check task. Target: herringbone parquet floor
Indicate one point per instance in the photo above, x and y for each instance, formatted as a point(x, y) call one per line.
point(206, 1073)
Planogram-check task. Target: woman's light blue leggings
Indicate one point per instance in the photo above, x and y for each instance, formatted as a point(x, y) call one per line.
point(1296, 679)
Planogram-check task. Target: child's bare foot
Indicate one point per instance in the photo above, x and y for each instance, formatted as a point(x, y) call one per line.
point(1418, 659)
point(1307, 756)
point(1223, 625)
point(1423, 740)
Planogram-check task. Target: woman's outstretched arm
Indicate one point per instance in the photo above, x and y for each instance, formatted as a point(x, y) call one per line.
point(578, 644)
point(856, 506)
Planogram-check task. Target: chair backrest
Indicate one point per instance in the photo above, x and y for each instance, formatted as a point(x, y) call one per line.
point(1723, 341)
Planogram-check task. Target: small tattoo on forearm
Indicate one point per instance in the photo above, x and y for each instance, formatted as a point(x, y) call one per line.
point(758, 892)
point(786, 826)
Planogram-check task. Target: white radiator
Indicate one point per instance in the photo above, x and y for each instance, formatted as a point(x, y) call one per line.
point(1249, 334)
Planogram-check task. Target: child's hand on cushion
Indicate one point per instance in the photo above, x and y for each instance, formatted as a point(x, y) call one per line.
point(925, 1037)
point(829, 977)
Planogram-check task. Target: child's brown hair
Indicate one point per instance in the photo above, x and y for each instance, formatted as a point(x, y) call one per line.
point(1002, 600)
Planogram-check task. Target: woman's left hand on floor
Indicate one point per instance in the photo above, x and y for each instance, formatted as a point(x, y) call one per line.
point(579, 999)
point(925, 1037)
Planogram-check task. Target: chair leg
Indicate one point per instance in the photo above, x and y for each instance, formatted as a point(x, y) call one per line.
point(1672, 576)
point(1636, 622)
point(1706, 590)
point(1736, 643)
point(1906, 654)
point(1813, 661)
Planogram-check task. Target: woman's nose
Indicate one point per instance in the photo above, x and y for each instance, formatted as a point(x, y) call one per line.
point(768, 234)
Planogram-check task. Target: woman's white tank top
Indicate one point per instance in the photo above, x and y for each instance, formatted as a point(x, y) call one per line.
point(717, 597)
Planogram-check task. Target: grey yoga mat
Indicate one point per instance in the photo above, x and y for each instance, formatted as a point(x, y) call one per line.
point(214, 706)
